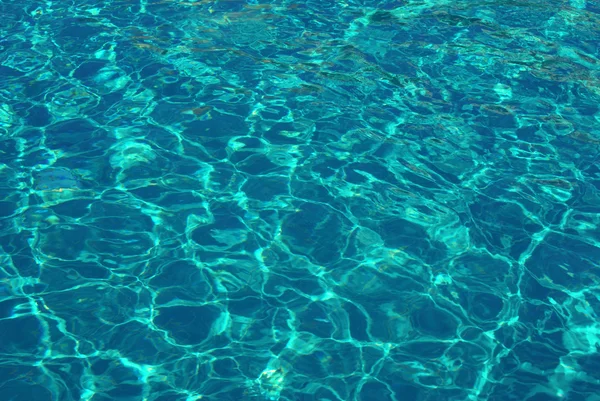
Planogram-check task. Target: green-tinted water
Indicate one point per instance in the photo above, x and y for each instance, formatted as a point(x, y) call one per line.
point(324, 201)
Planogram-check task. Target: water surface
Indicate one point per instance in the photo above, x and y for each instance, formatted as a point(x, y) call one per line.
point(294, 201)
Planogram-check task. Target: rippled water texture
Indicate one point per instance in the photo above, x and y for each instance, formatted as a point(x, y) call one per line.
point(310, 201)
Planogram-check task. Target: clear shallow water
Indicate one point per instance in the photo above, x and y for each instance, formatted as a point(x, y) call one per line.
point(373, 200)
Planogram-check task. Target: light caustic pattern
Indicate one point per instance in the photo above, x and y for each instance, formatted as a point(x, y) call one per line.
point(311, 200)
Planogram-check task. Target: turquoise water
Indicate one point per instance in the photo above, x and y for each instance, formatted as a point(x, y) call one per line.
point(319, 200)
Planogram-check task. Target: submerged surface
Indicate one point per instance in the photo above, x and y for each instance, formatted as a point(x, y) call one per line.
point(319, 200)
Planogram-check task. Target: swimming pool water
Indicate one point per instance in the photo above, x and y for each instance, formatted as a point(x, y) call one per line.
point(313, 200)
